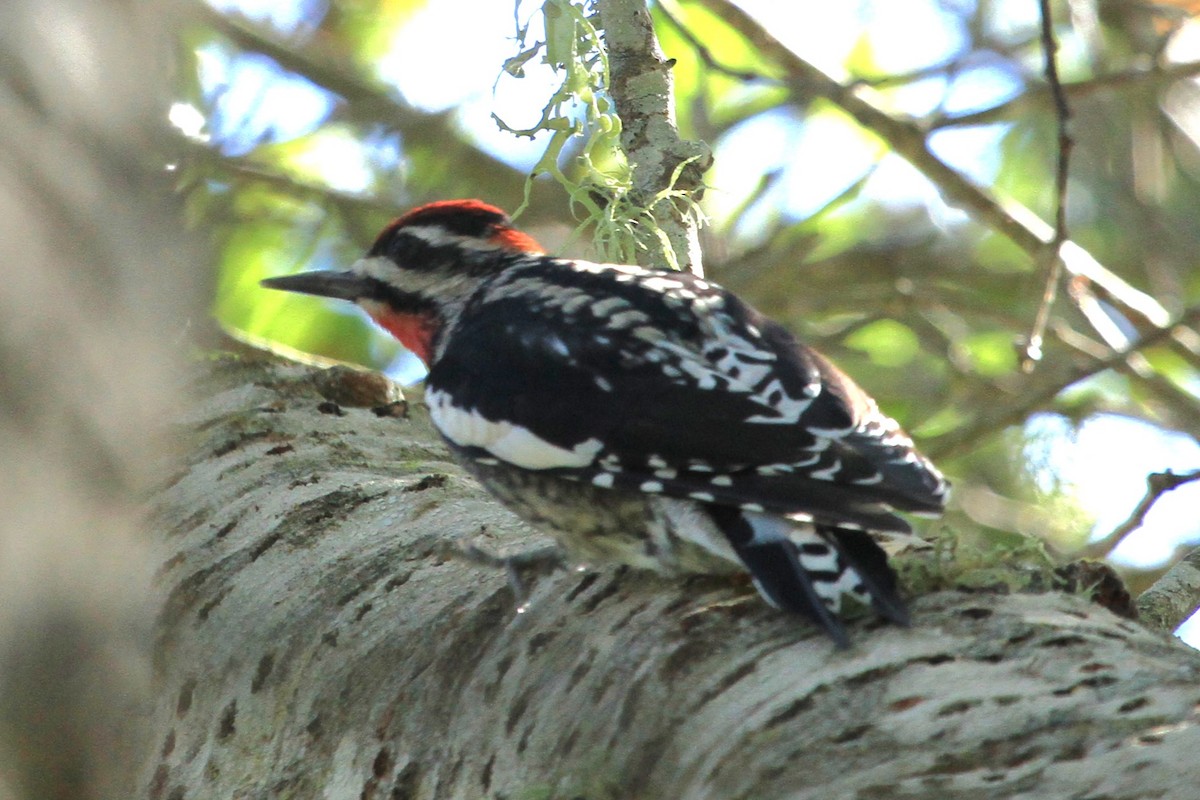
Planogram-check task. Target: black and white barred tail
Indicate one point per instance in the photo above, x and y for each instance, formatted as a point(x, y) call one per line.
point(799, 567)
point(812, 569)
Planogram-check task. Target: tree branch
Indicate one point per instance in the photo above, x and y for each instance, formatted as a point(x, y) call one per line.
point(670, 13)
point(641, 89)
point(105, 280)
point(1053, 267)
point(317, 637)
point(1014, 221)
point(1174, 597)
point(1157, 484)
point(1039, 392)
point(313, 59)
point(235, 167)
point(368, 102)
point(1040, 95)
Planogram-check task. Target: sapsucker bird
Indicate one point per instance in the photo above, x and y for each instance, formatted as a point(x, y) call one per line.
point(643, 417)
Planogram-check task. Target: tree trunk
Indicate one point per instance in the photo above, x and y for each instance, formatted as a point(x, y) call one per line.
point(100, 286)
point(319, 638)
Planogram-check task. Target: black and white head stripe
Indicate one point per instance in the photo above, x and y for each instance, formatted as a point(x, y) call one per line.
point(435, 236)
point(457, 218)
point(459, 235)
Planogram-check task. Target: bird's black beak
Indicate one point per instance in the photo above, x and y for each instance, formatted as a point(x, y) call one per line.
point(338, 285)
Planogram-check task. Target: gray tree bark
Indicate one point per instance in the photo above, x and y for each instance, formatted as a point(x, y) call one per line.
point(318, 637)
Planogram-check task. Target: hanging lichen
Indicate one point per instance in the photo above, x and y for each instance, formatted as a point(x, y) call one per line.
point(598, 179)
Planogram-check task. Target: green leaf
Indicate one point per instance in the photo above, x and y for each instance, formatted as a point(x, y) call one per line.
point(324, 156)
point(942, 422)
point(1174, 368)
point(999, 254)
point(886, 342)
point(368, 27)
point(256, 250)
point(991, 353)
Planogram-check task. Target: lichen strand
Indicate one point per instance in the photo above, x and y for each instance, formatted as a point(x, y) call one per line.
point(667, 171)
point(632, 180)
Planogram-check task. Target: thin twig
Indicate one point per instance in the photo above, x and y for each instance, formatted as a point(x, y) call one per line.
point(1157, 484)
point(313, 60)
point(947, 67)
point(372, 103)
point(1033, 347)
point(996, 416)
point(670, 12)
point(1174, 597)
point(249, 170)
point(1038, 95)
point(1017, 223)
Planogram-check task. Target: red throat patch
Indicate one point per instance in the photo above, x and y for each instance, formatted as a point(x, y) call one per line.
point(414, 331)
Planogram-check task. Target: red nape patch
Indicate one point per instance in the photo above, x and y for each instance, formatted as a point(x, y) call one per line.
point(414, 331)
point(512, 239)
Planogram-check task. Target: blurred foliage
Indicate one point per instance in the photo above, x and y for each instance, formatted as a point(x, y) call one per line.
point(814, 218)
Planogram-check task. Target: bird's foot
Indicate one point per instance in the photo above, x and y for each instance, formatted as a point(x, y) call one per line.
point(536, 561)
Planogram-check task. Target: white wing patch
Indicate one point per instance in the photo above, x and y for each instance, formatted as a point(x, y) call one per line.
point(507, 441)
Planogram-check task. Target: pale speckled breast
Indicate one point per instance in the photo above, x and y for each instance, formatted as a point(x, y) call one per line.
point(598, 526)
